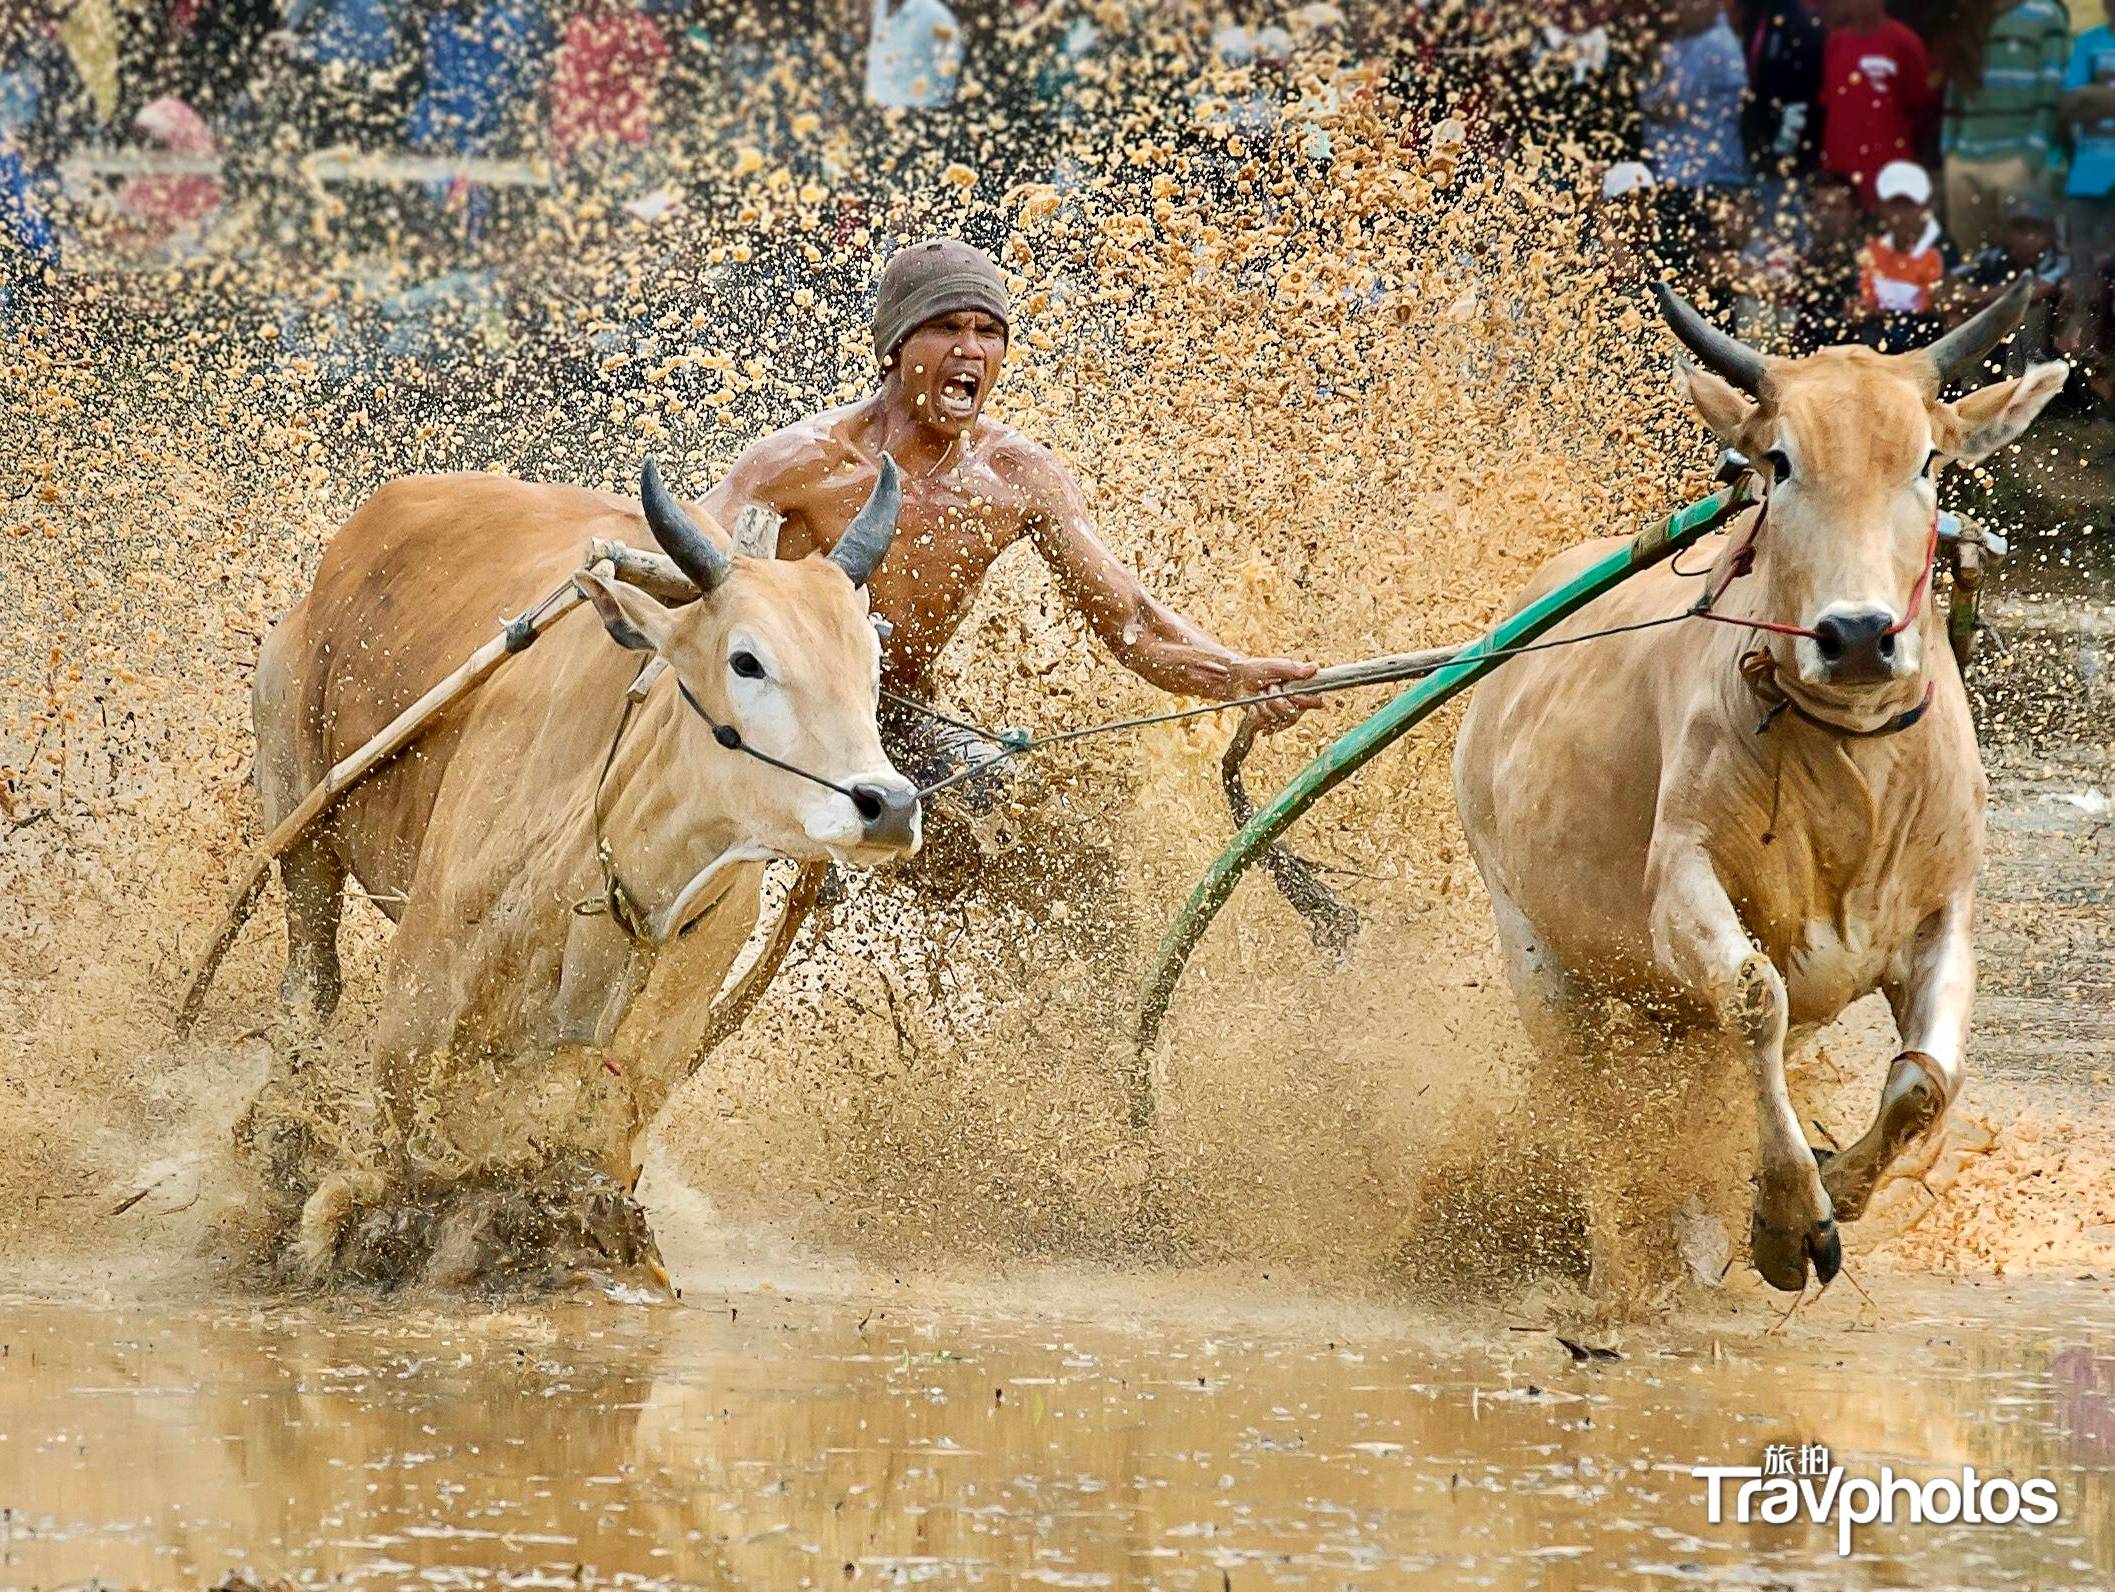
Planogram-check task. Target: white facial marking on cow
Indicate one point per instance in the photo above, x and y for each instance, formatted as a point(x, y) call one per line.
point(757, 688)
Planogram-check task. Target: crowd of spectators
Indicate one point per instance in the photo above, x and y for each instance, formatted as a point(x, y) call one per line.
point(1833, 174)
point(587, 89)
point(1824, 170)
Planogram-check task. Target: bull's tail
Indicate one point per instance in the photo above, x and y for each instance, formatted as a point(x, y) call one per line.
point(1331, 924)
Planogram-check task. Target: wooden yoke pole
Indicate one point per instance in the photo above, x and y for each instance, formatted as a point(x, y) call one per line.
point(399, 733)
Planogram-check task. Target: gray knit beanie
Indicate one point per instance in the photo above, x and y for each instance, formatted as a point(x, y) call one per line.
point(932, 279)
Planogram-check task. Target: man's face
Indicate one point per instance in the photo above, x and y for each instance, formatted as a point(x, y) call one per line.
point(950, 365)
point(1903, 218)
point(1834, 213)
point(2027, 240)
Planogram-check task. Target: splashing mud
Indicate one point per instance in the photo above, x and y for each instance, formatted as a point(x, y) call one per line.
point(1329, 404)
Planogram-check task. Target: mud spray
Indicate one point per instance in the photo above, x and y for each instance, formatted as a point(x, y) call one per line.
point(1332, 397)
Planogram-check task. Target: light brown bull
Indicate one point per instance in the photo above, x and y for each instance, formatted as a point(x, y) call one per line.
point(572, 878)
point(1642, 838)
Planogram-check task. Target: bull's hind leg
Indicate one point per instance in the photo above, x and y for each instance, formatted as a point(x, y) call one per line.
point(1698, 938)
point(315, 899)
point(1932, 998)
point(1549, 1006)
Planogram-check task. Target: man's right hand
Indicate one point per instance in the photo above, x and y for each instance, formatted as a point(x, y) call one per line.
point(1254, 676)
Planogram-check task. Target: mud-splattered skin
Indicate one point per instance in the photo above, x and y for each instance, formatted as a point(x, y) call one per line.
point(972, 488)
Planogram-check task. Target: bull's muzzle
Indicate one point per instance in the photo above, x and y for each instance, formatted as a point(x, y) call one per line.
point(1858, 646)
point(888, 814)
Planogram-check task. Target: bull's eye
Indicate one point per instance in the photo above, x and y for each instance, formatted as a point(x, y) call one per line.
point(1780, 463)
point(746, 665)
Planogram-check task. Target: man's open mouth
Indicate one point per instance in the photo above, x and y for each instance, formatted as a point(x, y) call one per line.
point(958, 395)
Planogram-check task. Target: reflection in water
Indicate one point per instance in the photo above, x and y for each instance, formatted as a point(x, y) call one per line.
point(769, 1442)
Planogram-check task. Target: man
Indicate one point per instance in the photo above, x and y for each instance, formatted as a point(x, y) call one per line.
point(1626, 225)
point(1901, 267)
point(1825, 282)
point(972, 488)
point(2000, 131)
point(2026, 246)
point(2088, 111)
point(1780, 123)
point(1692, 111)
point(1875, 91)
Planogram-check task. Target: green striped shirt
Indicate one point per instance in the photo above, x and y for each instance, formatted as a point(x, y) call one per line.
point(2014, 112)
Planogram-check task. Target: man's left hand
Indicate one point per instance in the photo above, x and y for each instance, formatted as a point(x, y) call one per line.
point(1253, 676)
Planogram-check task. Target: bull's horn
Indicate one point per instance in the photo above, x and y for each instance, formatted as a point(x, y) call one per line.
point(866, 540)
point(695, 553)
point(1722, 355)
point(1960, 351)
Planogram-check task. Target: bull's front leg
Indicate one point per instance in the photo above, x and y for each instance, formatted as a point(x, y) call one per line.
point(1698, 938)
point(1932, 993)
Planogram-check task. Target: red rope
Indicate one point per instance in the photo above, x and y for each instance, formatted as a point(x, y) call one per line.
point(1742, 560)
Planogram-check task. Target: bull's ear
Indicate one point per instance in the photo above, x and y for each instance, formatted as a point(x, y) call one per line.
point(1724, 408)
point(632, 618)
point(1976, 426)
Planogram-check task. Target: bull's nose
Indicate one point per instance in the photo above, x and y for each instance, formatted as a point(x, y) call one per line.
point(1857, 644)
point(888, 814)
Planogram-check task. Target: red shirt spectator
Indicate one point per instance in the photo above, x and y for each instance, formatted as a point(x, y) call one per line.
point(1875, 91)
point(606, 79)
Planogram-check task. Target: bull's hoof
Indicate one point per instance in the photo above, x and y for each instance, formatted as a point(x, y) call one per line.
point(1911, 1104)
point(309, 994)
point(1825, 1250)
point(560, 1227)
point(1782, 1255)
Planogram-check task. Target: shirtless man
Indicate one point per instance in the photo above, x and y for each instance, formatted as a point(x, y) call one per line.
point(972, 487)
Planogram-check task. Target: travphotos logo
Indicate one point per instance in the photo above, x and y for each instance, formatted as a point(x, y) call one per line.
point(1795, 1484)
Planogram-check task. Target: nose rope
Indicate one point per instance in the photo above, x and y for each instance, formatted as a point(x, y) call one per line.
point(1013, 743)
point(1742, 560)
point(731, 738)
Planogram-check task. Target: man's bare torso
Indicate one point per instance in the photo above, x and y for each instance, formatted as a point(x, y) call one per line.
point(959, 515)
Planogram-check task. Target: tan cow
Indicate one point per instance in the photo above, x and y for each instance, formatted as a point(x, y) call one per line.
point(1640, 835)
point(572, 878)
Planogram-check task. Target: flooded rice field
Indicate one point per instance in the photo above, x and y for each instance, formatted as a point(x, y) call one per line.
point(795, 1423)
point(921, 1338)
point(1084, 1432)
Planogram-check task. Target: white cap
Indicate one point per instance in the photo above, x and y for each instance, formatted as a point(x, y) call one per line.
point(1903, 179)
point(1625, 176)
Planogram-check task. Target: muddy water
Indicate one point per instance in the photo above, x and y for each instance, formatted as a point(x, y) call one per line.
point(757, 1440)
point(1120, 1429)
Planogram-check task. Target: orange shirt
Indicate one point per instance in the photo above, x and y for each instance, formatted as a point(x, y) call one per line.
point(1898, 281)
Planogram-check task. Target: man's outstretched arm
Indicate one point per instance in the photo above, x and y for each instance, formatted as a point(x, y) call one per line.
point(1149, 638)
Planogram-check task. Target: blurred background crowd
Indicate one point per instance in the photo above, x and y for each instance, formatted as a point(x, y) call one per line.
point(1820, 170)
point(1837, 171)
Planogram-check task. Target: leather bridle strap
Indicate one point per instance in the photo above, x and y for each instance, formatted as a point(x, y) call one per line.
point(731, 738)
point(615, 899)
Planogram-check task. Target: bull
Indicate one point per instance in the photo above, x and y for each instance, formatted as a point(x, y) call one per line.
point(1741, 828)
point(573, 853)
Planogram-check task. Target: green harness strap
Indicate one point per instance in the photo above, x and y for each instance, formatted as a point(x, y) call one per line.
point(1350, 752)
